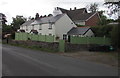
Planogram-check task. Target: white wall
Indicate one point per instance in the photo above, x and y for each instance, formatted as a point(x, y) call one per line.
point(45, 29)
point(56, 12)
point(63, 25)
point(24, 28)
point(89, 33)
point(80, 22)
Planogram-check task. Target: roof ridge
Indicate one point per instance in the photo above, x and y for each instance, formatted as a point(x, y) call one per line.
point(84, 27)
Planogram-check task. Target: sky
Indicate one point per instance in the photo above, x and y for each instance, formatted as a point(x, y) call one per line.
point(28, 8)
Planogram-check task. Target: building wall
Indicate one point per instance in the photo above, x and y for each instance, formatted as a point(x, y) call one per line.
point(45, 29)
point(26, 28)
point(57, 11)
point(80, 22)
point(63, 25)
point(92, 21)
point(89, 33)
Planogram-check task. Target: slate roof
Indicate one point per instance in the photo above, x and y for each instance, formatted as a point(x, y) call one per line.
point(27, 23)
point(78, 30)
point(78, 14)
point(83, 17)
point(51, 19)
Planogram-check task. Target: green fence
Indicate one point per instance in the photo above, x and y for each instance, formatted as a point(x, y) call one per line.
point(90, 40)
point(33, 37)
point(21, 36)
point(61, 46)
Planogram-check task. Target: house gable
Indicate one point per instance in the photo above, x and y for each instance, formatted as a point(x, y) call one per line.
point(84, 31)
point(89, 33)
point(93, 20)
point(80, 16)
point(63, 25)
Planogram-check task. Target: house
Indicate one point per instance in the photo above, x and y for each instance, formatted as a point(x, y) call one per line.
point(26, 27)
point(81, 31)
point(52, 25)
point(79, 16)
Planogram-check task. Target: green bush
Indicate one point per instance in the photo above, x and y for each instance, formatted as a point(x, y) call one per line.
point(115, 36)
point(101, 31)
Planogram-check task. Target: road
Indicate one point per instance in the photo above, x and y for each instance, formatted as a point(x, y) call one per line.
point(17, 61)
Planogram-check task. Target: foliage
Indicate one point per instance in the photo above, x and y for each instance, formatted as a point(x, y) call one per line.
point(115, 36)
point(93, 7)
point(101, 31)
point(17, 21)
point(103, 20)
point(6, 28)
point(113, 7)
point(11, 29)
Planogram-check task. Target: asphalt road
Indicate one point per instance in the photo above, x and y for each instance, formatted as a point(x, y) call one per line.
point(18, 61)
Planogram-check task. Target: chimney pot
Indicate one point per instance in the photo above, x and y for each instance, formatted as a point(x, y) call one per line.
point(75, 8)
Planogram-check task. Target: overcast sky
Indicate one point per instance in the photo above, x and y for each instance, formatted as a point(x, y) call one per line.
point(27, 8)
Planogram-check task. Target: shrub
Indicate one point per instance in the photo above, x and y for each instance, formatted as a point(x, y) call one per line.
point(101, 31)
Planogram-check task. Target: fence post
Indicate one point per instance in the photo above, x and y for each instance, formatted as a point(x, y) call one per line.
point(61, 45)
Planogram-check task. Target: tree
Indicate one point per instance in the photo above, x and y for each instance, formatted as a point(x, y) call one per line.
point(93, 7)
point(103, 20)
point(17, 21)
point(115, 34)
point(112, 6)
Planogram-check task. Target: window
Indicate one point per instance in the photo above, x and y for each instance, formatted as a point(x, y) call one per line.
point(64, 37)
point(50, 26)
point(40, 27)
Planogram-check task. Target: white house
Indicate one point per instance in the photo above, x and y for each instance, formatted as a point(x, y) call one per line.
point(79, 16)
point(57, 25)
point(26, 27)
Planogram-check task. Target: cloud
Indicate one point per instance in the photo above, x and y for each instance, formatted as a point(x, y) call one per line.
point(28, 8)
point(3, 3)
